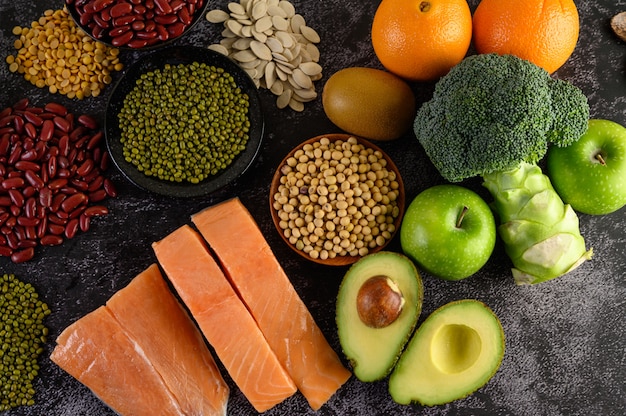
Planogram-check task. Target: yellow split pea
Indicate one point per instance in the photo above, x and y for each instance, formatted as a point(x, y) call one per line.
point(54, 53)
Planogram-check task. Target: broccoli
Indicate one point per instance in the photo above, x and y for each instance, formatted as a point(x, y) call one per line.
point(494, 116)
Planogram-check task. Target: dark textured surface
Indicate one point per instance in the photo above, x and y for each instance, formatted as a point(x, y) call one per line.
point(565, 338)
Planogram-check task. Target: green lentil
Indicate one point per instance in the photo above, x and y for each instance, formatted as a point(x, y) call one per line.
point(22, 334)
point(184, 123)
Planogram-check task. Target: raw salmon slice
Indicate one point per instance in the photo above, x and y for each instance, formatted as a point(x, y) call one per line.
point(284, 319)
point(142, 352)
point(223, 318)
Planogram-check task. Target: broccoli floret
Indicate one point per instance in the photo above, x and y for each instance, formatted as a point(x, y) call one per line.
point(492, 112)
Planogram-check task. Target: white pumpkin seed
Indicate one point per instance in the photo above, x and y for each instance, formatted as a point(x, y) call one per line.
point(310, 34)
point(234, 26)
point(263, 24)
point(276, 11)
point(287, 7)
point(310, 68)
point(244, 56)
point(284, 98)
point(219, 48)
point(277, 88)
point(274, 45)
point(285, 38)
point(259, 10)
point(242, 44)
point(302, 79)
point(297, 21)
point(270, 74)
point(236, 8)
point(217, 16)
point(261, 50)
point(296, 105)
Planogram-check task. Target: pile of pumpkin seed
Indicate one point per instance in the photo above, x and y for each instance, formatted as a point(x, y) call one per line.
point(22, 335)
point(273, 43)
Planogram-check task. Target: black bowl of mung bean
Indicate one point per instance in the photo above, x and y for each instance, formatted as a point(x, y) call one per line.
point(184, 122)
point(136, 24)
point(336, 198)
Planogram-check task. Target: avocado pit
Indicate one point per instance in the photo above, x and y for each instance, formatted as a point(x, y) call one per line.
point(379, 302)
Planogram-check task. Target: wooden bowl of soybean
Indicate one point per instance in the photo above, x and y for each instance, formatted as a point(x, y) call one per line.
point(336, 198)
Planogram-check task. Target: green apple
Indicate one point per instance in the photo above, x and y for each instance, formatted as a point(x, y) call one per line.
point(590, 174)
point(449, 231)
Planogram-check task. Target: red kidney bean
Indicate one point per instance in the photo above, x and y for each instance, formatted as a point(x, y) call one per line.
point(184, 16)
point(84, 222)
point(104, 24)
point(166, 19)
point(34, 179)
point(87, 121)
point(54, 228)
point(176, 29)
point(51, 165)
point(12, 183)
point(99, 5)
point(122, 39)
point(62, 124)
point(56, 108)
point(96, 211)
point(45, 197)
point(126, 21)
point(109, 188)
point(71, 228)
point(137, 43)
point(73, 201)
point(5, 251)
point(138, 25)
point(51, 240)
point(33, 118)
point(16, 197)
point(120, 9)
point(163, 7)
point(22, 256)
point(97, 196)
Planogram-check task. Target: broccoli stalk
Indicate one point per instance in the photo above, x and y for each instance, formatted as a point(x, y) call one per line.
point(495, 116)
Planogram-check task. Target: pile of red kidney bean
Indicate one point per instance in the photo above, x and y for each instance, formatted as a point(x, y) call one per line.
point(51, 177)
point(135, 23)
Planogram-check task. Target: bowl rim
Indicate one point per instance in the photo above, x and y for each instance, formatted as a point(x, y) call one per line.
point(185, 55)
point(339, 260)
point(197, 17)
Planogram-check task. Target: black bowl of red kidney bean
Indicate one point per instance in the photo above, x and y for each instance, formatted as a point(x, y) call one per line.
point(136, 24)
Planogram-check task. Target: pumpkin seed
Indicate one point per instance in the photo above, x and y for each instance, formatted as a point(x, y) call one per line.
point(274, 45)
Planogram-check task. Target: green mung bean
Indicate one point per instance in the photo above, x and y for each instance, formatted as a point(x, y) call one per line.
point(184, 123)
point(22, 334)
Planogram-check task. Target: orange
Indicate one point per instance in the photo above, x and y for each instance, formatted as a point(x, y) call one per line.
point(544, 32)
point(420, 40)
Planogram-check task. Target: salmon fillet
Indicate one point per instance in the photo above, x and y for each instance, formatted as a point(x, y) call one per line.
point(223, 318)
point(142, 352)
point(281, 314)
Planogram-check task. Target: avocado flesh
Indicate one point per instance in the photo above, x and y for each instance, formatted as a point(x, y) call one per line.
point(372, 352)
point(455, 351)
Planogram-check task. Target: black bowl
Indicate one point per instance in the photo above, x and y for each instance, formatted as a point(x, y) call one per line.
point(106, 39)
point(183, 55)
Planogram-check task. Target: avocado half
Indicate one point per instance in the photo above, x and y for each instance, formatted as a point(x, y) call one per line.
point(374, 347)
point(455, 351)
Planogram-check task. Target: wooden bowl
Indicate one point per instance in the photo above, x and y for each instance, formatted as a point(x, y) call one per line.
point(347, 258)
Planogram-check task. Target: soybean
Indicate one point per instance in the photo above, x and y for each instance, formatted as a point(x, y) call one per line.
point(54, 53)
point(22, 336)
point(184, 123)
point(337, 198)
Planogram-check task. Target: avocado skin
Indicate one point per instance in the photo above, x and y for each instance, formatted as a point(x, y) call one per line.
point(372, 352)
